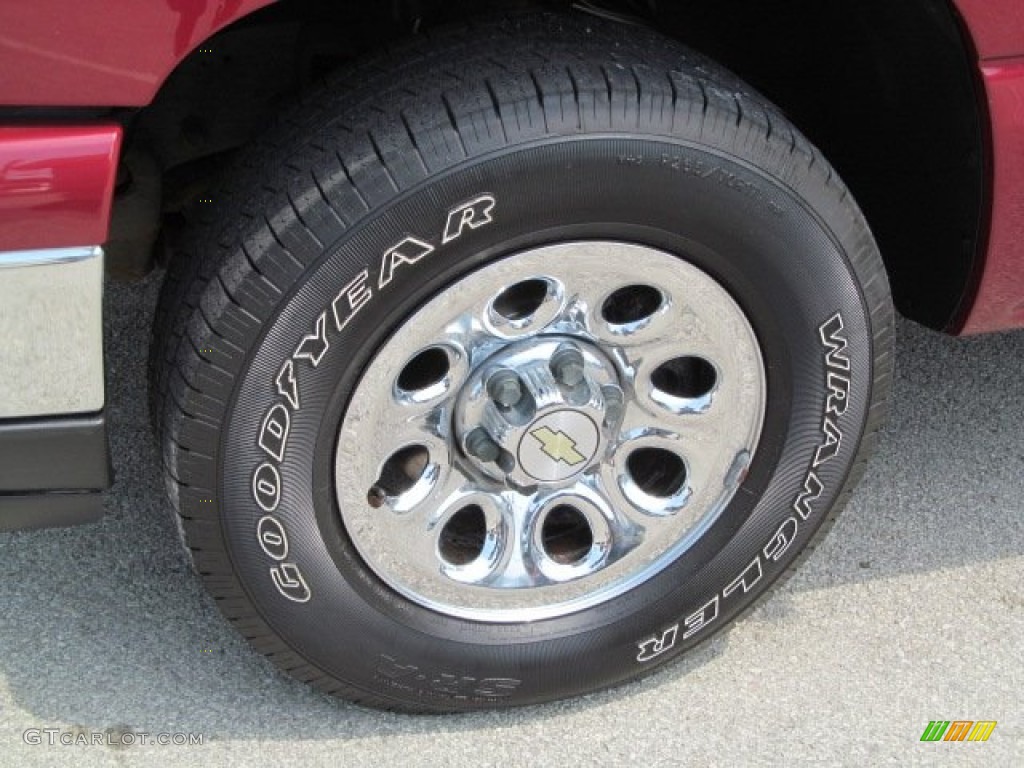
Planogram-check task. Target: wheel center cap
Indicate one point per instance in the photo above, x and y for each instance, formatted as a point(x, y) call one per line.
point(558, 446)
point(539, 412)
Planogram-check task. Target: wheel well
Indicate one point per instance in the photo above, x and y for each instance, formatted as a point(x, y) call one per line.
point(888, 93)
point(886, 90)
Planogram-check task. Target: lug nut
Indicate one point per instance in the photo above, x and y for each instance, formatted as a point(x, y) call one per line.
point(567, 365)
point(613, 405)
point(482, 446)
point(505, 388)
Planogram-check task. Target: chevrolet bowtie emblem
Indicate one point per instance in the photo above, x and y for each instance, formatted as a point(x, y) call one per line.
point(558, 445)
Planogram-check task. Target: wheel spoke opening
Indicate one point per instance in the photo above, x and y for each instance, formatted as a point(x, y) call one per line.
point(463, 537)
point(524, 307)
point(402, 470)
point(425, 376)
point(684, 384)
point(657, 472)
point(521, 300)
point(565, 535)
point(631, 307)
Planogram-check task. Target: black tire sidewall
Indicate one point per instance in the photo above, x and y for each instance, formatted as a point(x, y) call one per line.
point(766, 245)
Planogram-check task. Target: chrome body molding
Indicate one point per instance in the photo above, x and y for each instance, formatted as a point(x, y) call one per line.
point(51, 332)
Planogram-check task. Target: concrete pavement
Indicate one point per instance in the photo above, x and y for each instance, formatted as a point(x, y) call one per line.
point(912, 610)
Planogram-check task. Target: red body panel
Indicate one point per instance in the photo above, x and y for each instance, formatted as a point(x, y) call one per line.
point(999, 301)
point(997, 31)
point(56, 185)
point(119, 52)
point(101, 54)
point(996, 26)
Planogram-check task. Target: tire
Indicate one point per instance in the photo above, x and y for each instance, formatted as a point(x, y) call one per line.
point(603, 180)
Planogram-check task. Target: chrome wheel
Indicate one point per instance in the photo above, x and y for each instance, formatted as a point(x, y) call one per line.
point(550, 432)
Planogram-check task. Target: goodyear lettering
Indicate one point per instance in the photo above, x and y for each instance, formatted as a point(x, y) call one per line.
point(409, 251)
point(314, 346)
point(290, 582)
point(274, 432)
point(266, 486)
point(287, 386)
point(272, 538)
point(350, 300)
point(272, 438)
point(474, 214)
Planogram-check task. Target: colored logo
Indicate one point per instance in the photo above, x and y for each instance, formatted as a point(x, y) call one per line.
point(958, 730)
point(558, 445)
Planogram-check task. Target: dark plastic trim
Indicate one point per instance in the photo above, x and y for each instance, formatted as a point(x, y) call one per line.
point(52, 471)
point(47, 510)
point(66, 453)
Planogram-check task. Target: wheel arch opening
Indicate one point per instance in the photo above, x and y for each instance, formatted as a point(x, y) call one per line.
point(890, 94)
point(888, 91)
